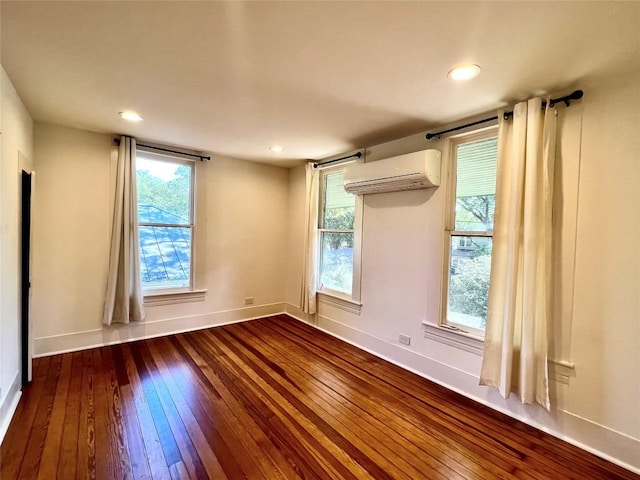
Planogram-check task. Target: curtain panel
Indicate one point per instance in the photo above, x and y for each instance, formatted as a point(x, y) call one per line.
point(124, 298)
point(310, 267)
point(520, 294)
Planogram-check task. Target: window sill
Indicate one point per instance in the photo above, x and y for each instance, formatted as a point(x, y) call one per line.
point(169, 298)
point(455, 338)
point(561, 370)
point(340, 302)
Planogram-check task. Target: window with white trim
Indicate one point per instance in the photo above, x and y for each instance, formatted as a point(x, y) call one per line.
point(469, 231)
point(166, 220)
point(339, 227)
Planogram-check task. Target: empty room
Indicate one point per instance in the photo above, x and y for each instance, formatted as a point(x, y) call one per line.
point(320, 239)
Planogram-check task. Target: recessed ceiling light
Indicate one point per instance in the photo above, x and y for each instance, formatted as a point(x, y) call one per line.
point(276, 148)
point(130, 116)
point(464, 72)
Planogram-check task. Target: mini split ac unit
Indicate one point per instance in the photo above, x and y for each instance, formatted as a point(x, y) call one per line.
point(404, 172)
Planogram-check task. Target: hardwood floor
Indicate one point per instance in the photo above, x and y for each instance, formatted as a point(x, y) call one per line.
point(266, 399)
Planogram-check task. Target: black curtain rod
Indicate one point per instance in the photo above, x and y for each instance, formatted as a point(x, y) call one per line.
point(358, 155)
point(576, 95)
point(201, 157)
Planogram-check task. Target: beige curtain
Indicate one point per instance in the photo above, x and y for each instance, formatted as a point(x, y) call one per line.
point(309, 271)
point(124, 299)
point(515, 347)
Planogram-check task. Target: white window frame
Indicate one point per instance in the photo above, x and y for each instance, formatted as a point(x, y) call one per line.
point(474, 335)
point(166, 296)
point(340, 299)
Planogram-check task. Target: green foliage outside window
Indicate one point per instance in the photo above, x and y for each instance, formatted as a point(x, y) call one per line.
point(469, 284)
point(469, 288)
point(340, 219)
point(172, 196)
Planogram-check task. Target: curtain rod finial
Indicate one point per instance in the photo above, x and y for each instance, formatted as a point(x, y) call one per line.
point(576, 95)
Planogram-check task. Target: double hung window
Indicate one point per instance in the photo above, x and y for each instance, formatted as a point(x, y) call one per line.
point(339, 237)
point(165, 188)
point(469, 231)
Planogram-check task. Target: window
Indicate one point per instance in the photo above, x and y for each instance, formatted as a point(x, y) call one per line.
point(166, 221)
point(469, 232)
point(339, 237)
point(465, 243)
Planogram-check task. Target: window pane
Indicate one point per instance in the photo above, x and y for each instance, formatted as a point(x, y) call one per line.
point(339, 206)
point(469, 273)
point(165, 257)
point(476, 185)
point(164, 191)
point(336, 262)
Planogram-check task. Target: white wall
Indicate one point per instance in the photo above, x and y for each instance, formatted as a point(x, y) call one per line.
point(245, 221)
point(17, 154)
point(598, 323)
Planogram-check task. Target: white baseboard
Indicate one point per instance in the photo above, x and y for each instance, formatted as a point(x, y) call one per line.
point(600, 440)
point(8, 404)
point(71, 342)
point(295, 312)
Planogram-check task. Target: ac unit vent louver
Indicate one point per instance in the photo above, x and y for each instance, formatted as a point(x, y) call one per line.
point(405, 172)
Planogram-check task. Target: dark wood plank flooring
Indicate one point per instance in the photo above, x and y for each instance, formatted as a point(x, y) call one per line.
point(266, 399)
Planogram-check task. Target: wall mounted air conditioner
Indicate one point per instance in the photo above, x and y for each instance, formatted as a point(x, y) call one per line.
point(404, 172)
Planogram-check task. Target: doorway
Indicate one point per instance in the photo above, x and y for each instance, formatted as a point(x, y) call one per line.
point(25, 275)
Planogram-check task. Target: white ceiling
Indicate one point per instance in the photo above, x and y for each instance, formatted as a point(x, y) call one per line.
point(318, 78)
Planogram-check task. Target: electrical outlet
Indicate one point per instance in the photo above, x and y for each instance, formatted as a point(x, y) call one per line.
point(404, 339)
point(248, 301)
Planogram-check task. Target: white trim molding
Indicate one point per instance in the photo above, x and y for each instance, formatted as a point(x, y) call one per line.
point(561, 370)
point(342, 303)
point(295, 312)
point(454, 338)
point(8, 404)
point(71, 342)
point(169, 298)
